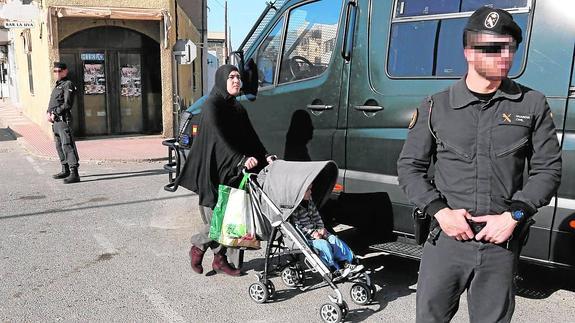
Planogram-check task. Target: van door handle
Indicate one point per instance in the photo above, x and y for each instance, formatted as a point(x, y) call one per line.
point(368, 108)
point(319, 107)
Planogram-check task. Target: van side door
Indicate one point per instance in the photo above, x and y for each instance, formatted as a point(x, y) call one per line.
point(297, 106)
point(404, 51)
point(562, 233)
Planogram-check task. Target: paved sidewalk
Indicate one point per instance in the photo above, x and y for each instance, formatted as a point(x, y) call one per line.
point(37, 142)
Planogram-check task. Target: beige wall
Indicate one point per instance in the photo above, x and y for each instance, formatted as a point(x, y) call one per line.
point(43, 54)
point(34, 105)
point(188, 93)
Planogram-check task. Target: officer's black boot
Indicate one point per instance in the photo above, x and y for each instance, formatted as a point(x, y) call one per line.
point(64, 173)
point(74, 177)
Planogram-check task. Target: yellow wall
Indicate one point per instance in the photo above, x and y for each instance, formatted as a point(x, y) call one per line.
point(185, 72)
point(43, 55)
point(34, 105)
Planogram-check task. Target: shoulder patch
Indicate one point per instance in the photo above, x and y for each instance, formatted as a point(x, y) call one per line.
point(413, 120)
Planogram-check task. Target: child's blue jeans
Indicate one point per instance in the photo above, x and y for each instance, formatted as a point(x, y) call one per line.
point(332, 250)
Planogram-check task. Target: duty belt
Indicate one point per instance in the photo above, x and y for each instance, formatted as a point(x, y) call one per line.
point(475, 226)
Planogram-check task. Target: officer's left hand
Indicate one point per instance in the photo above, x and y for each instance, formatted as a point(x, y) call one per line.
point(498, 228)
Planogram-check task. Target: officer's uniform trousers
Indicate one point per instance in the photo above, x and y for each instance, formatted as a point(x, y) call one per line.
point(65, 145)
point(480, 267)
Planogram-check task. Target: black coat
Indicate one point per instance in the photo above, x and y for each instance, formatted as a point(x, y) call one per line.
point(226, 138)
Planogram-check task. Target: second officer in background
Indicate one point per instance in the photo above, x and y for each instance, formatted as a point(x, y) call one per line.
point(60, 115)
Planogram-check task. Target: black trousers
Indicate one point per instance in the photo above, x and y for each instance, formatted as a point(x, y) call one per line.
point(450, 267)
point(65, 145)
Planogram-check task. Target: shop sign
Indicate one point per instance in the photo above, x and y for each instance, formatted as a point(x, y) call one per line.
point(92, 56)
point(18, 24)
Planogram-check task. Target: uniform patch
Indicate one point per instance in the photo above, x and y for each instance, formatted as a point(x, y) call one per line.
point(491, 20)
point(516, 119)
point(413, 120)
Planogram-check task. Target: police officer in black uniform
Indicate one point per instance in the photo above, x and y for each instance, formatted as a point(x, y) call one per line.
point(480, 133)
point(60, 114)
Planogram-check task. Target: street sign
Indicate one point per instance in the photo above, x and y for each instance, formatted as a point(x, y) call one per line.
point(185, 51)
point(18, 24)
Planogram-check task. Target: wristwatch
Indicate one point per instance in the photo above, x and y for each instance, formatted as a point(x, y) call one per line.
point(518, 215)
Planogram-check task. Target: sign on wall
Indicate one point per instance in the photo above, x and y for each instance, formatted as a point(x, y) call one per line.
point(18, 24)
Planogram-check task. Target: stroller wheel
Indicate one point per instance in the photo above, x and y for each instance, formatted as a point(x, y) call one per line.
point(331, 313)
point(290, 277)
point(360, 293)
point(258, 292)
point(271, 289)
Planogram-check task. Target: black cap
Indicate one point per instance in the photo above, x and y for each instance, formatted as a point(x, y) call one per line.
point(494, 21)
point(60, 65)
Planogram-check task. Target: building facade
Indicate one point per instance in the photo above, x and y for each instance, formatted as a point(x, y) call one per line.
point(120, 56)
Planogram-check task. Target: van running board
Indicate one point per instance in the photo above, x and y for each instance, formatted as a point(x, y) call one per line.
point(402, 249)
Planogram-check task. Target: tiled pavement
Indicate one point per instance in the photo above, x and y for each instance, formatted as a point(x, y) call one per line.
point(37, 142)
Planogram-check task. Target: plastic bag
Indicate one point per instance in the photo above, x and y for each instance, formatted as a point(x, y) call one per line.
point(232, 221)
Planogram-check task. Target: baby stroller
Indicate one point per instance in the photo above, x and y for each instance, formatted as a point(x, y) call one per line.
point(276, 193)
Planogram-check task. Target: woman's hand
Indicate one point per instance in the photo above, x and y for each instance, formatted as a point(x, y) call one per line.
point(251, 162)
point(271, 158)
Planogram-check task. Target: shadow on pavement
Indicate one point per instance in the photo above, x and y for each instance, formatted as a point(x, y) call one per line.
point(62, 210)
point(104, 177)
point(7, 134)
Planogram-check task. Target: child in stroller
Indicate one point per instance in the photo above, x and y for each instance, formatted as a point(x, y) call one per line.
point(332, 250)
point(276, 196)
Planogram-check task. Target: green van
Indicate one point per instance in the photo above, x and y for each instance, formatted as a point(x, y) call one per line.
point(340, 79)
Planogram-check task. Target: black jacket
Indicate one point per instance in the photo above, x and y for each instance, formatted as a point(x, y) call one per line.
point(480, 151)
point(62, 99)
point(225, 139)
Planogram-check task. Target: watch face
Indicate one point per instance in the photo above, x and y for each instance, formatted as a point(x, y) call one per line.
point(517, 215)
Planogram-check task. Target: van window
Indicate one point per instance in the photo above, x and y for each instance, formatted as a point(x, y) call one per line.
point(310, 40)
point(411, 50)
point(267, 55)
point(472, 5)
point(429, 48)
point(411, 8)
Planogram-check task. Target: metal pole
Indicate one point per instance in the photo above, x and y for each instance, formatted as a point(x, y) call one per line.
point(226, 53)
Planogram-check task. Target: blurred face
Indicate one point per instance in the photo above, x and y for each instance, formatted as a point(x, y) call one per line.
point(490, 55)
point(60, 73)
point(307, 195)
point(234, 83)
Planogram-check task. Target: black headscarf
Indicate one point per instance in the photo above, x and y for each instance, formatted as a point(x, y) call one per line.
point(225, 139)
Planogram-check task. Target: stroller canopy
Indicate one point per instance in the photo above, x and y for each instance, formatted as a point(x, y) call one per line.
point(285, 183)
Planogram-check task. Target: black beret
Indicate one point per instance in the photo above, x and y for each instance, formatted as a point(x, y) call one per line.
point(495, 21)
point(60, 65)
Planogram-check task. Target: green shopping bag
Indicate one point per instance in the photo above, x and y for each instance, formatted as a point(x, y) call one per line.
point(232, 220)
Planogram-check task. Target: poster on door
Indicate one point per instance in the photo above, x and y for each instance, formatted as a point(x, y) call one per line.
point(130, 82)
point(94, 79)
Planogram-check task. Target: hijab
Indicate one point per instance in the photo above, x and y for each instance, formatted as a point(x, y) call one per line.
point(225, 139)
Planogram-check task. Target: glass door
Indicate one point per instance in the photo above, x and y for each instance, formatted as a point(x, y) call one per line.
point(131, 114)
point(95, 112)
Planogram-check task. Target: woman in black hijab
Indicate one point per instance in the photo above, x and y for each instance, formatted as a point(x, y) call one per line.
point(226, 141)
